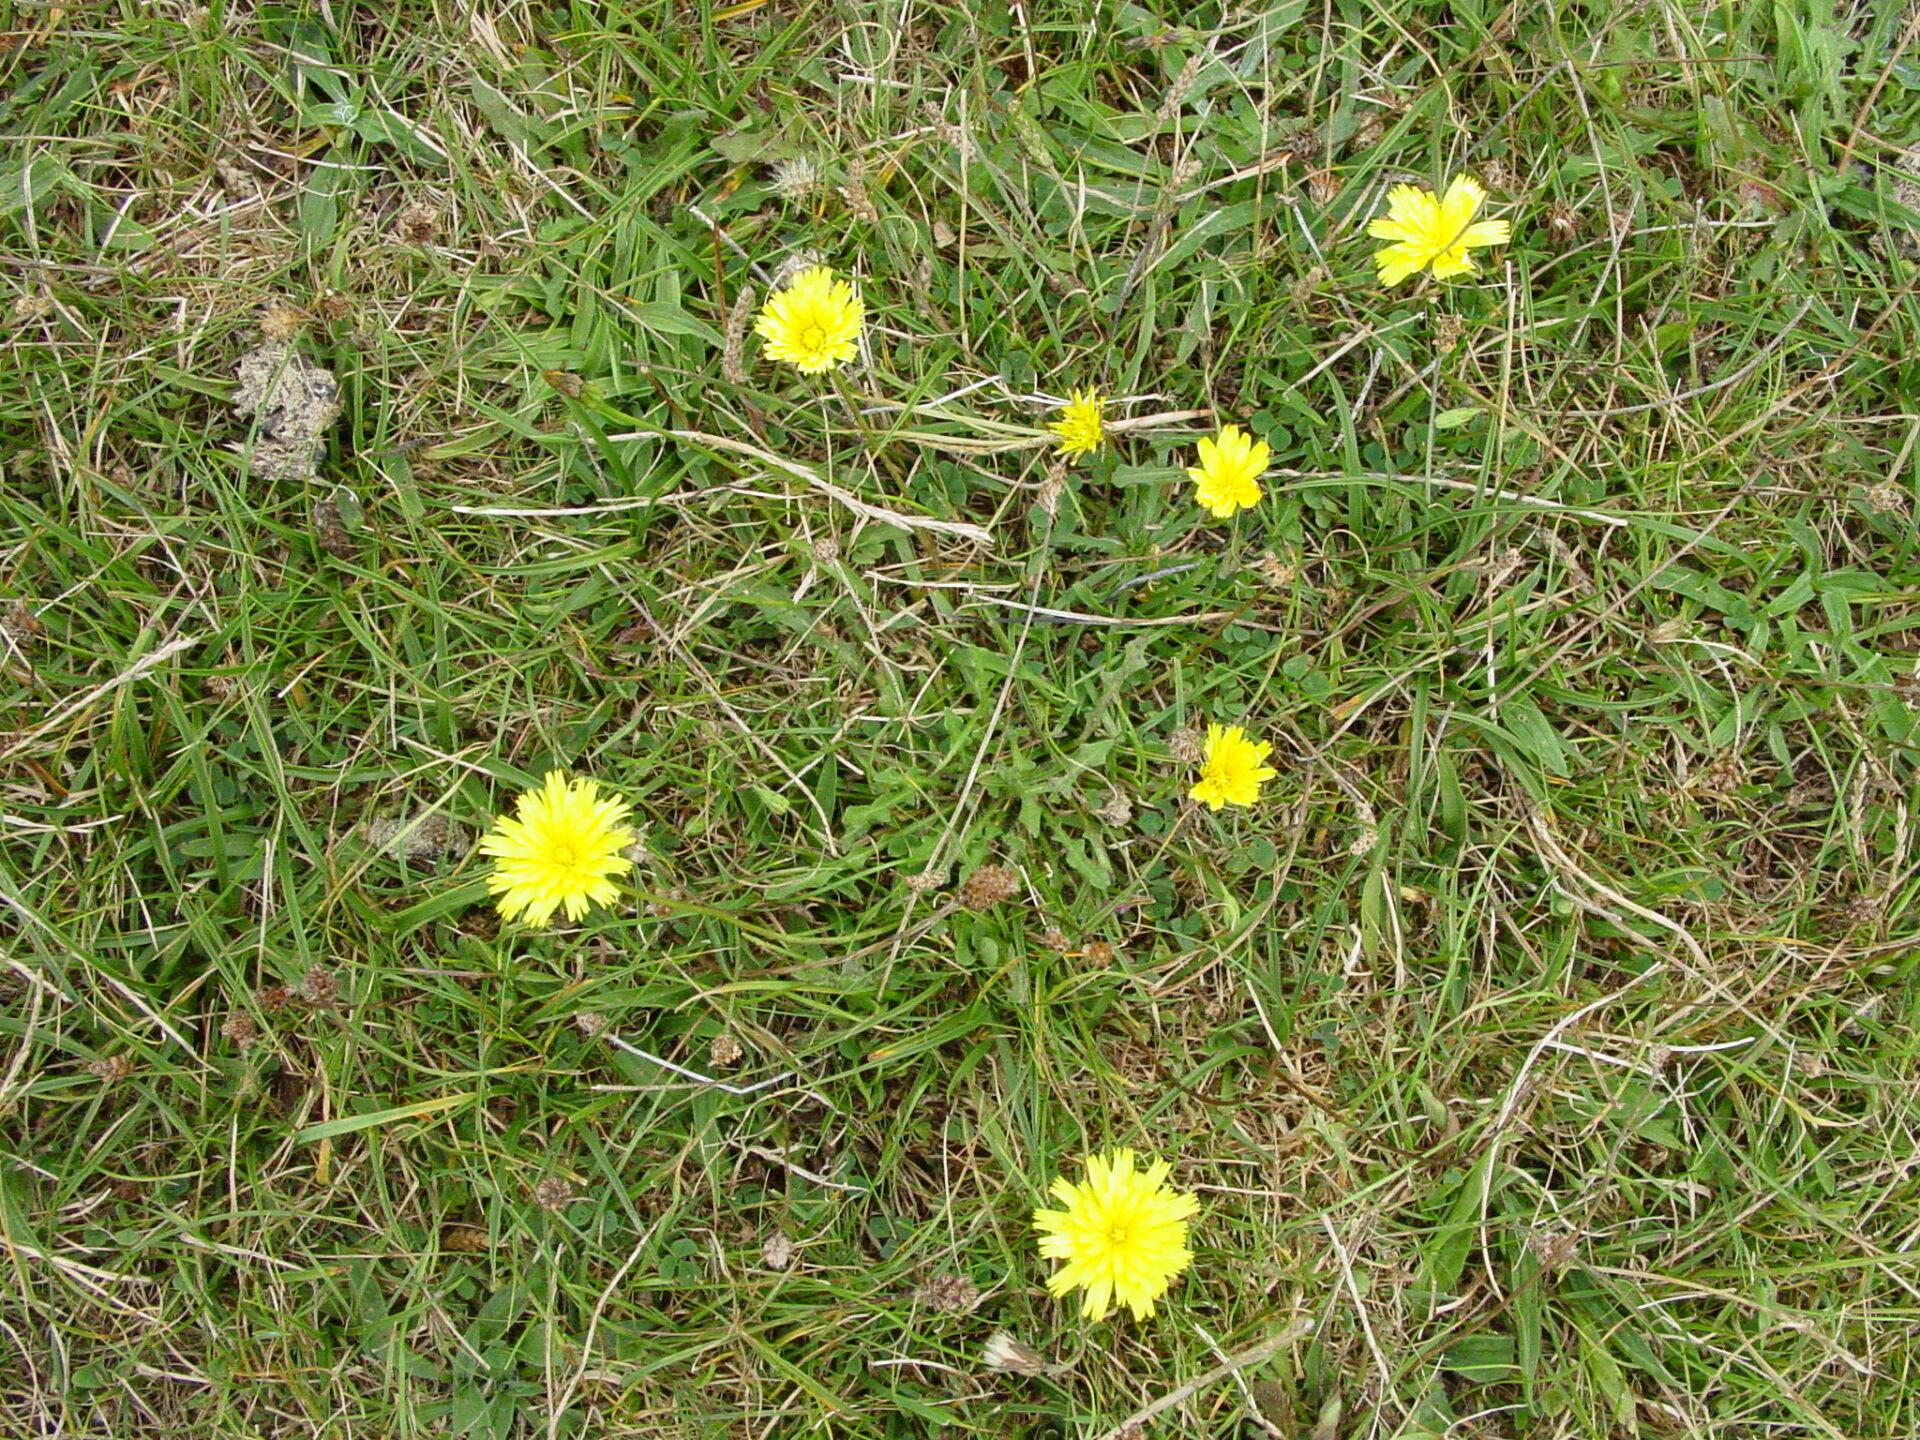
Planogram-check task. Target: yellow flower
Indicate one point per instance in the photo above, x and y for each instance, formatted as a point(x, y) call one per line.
point(1228, 475)
point(561, 847)
point(1231, 772)
point(1123, 1234)
point(1079, 427)
point(1434, 232)
point(813, 324)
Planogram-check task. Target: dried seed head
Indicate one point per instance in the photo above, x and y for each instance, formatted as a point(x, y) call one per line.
point(1098, 952)
point(241, 1029)
point(590, 1023)
point(1047, 498)
point(1562, 227)
point(330, 530)
point(1182, 86)
point(1865, 910)
point(464, 1239)
point(111, 1068)
point(665, 905)
point(792, 265)
point(724, 1050)
point(19, 625)
point(1187, 746)
point(988, 886)
point(931, 878)
point(281, 321)
point(318, 988)
point(733, 340)
point(1055, 940)
point(854, 192)
point(1277, 572)
point(777, 1252)
point(1006, 1354)
point(553, 1193)
point(797, 179)
point(415, 837)
point(1554, 1249)
point(417, 224)
point(952, 1294)
point(825, 550)
point(1723, 776)
point(1887, 498)
point(1118, 809)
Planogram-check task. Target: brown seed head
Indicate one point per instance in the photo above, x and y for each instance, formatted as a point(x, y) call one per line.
point(552, 1193)
point(952, 1294)
point(417, 224)
point(330, 530)
point(464, 1240)
point(111, 1068)
point(281, 321)
point(1887, 498)
point(317, 988)
point(19, 624)
point(988, 886)
point(241, 1029)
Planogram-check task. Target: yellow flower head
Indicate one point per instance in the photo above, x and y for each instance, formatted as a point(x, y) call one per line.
point(1080, 427)
point(1232, 769)
point(1434, 232)
point(562, 846)
point(1123, 1234)
point(813, 324)
point(1228, 475)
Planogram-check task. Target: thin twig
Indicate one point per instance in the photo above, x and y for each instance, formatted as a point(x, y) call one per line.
point(693, 1075)
point(865, 509)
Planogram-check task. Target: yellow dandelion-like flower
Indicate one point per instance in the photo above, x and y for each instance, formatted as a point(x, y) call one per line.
point(1434, 232)
point(1080, 427)
point(1228, 475)
point(562, 846)
point(813, 324)
point(1123, 1234)
point(1232, 769)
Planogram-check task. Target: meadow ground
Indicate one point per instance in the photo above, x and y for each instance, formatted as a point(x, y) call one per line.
point(1540, 1046)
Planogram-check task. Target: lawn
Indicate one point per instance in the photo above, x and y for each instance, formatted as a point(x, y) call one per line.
point(386, 422)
